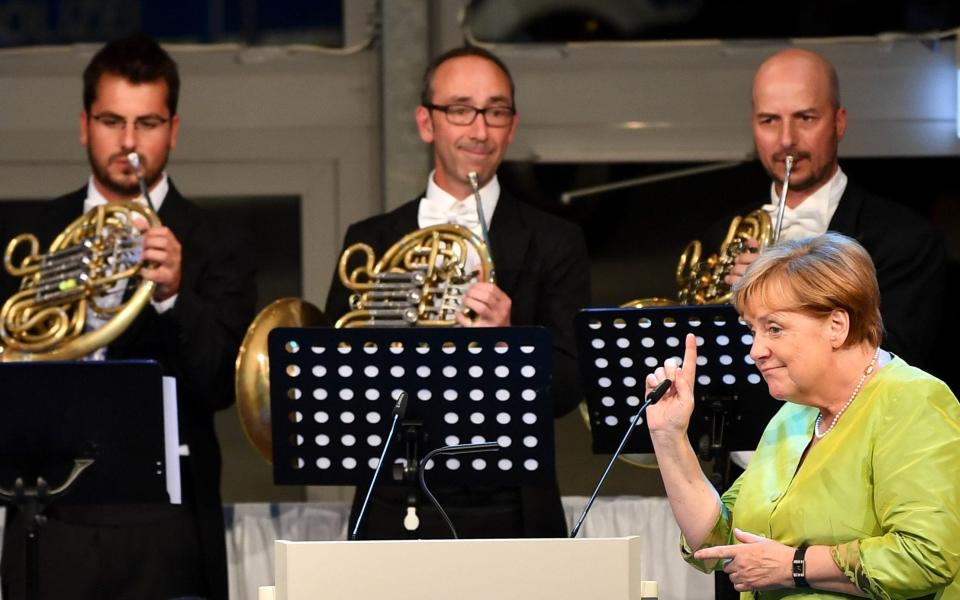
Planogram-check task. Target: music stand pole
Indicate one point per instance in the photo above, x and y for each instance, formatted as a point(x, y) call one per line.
point(32, 501)
point(104, 432)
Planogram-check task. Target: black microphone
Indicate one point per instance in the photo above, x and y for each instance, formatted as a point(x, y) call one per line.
point(458, 449)
point(399, 410)
point(652, 398)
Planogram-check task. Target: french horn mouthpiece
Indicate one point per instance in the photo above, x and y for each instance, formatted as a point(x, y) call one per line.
point(134, 159)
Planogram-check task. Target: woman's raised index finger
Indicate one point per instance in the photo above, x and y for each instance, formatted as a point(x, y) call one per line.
point(690, 359)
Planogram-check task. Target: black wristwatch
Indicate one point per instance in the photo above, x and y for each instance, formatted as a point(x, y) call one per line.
point(800, 568)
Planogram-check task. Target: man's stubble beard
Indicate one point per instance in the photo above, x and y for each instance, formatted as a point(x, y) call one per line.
point(813, 181)
point(102, 175)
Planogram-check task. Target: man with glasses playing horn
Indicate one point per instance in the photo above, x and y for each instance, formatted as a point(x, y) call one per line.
point(469, 116)
point(203, 301)
point(797, 112)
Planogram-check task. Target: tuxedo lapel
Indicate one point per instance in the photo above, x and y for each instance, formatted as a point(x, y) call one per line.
point(172, 214)
point(406, 220)
point(510, 239)
point(847, 215)
point(173, 211)
point(60, 213)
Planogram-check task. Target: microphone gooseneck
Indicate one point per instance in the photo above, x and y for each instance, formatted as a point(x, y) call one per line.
point(654, 395)
point(399, 410)
point(458, 449)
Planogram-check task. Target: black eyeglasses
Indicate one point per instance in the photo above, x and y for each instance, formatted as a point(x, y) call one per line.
point(117, 123)
point(464, 114)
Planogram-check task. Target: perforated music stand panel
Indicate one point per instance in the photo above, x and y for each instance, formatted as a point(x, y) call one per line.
point(333, 390)
point(619, 346)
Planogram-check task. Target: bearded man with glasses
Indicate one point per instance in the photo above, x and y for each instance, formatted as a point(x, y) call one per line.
point(468, 113)
point(203, 301)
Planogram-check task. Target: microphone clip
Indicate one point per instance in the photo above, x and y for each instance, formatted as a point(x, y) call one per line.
point(413, 438)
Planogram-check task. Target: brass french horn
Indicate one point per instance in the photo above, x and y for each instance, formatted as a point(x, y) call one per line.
point(419, 281)
point(47, 318)
point(704, 281)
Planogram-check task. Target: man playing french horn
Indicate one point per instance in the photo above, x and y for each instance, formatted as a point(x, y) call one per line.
point(202, 302)
point(797, 112)
point(468, 113)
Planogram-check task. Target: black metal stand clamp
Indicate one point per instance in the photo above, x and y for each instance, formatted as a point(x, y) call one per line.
point(32, 502)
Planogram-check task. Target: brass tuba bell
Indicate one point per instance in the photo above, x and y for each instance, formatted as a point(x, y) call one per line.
point(47, 318)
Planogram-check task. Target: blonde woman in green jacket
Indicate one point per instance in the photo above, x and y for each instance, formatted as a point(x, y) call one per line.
point(854, 489)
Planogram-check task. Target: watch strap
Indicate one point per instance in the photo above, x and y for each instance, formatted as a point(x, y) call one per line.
point(800, 567)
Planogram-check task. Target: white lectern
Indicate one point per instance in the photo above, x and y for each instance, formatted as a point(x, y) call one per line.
point(527, 569)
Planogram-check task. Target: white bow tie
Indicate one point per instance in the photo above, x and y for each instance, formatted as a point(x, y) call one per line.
point(462, 213)
point(798, 222)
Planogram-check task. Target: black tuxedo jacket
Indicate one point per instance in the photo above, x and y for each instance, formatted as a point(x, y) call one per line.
point(541, 264)
point(196, 341)
point(910, 258)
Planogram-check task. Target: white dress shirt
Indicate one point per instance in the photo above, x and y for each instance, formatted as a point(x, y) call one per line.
point(437, 207)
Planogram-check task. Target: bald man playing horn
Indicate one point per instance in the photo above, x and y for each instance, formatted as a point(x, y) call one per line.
point(797, 112)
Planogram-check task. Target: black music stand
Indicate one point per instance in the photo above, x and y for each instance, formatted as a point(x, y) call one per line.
point(620, 346)
point(332, 394)
point(74, 433)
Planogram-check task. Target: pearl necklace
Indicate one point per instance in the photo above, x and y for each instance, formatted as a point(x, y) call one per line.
point(856, 390)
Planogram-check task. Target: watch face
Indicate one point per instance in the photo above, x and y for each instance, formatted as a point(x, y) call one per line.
point(800, 568)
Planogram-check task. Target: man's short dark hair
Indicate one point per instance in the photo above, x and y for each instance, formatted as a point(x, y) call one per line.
point(138, 59)
point(426, 92)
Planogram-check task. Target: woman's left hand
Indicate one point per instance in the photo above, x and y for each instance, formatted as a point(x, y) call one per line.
point(755, 564)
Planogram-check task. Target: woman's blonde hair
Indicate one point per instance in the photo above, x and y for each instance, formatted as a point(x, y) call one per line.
point(816, 276)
